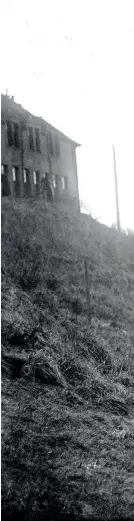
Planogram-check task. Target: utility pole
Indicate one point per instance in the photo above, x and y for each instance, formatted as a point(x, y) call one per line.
point(22, 128)
point(116, 193)
point(87, 289)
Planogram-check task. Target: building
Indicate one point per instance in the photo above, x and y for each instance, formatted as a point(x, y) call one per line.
point(37, 159)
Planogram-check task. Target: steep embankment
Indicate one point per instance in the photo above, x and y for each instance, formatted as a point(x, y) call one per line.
point(67, 385)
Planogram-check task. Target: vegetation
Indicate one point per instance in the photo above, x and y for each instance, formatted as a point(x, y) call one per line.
point(67, 384)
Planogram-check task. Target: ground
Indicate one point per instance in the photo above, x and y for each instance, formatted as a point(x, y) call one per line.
point(67, 381)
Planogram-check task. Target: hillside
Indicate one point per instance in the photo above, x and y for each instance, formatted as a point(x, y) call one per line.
point(67, 383)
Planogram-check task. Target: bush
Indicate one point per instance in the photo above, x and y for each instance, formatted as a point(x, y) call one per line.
point(76, 306)
point(52, 283)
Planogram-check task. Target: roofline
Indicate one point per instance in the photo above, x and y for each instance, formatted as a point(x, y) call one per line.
point(39, 118)
point(61, 133)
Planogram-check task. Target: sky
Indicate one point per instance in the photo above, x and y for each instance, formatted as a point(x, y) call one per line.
point(72, 62)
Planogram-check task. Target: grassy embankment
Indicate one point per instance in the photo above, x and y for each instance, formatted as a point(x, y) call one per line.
point(67, 385)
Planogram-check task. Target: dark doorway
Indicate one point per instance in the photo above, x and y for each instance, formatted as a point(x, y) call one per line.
point(27, 183)
point(16, 180)
point(5, 187)
point(36, 180)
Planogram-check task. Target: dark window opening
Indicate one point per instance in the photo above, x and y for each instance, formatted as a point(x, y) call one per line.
point(57, 147)
point(27, 183)
point(36, 180)
point(16, 180)
point(16, 135)
point(37, 138)
point(5, 187)
point(9, 133)
point(50, 144)
point(31, 138)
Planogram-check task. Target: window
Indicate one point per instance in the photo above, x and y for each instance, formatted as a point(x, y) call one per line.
point(9, 133)
point(63, 183)
point(54, 181)
point(16, 135)
point(34, 178)
point(5, 186)
point(50, 143)
point(37, 139)
point(14, 173)
point(4, 170)
point(16, 180)
point(66, 183)
point(57, 148)
point(25, 175)
point(31, 138)
point(27, 182)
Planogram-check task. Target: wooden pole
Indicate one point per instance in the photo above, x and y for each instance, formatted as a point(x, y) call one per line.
point(22, 129)
point(87, 289)
point(116, 193)
point(22, 152)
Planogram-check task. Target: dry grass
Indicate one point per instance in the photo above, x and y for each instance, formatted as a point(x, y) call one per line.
point(67, 386)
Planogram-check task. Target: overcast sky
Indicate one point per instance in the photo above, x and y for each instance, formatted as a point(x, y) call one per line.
point(72, 62)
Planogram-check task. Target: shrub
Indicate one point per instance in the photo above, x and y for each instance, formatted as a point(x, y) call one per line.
point(52, 283)
point(76, 306)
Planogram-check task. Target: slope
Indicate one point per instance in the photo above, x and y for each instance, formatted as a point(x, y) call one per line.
point(67, 384)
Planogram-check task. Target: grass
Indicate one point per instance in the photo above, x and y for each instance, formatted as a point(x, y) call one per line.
point(67, 384)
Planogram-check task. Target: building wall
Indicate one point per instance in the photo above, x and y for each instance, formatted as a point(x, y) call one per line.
point(45, 162)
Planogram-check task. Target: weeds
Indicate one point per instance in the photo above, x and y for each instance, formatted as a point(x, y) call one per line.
point(67, 386)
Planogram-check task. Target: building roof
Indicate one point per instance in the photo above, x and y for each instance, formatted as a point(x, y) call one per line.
point(10, 109)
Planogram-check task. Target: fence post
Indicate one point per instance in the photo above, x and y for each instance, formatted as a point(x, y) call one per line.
point(87, 289)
